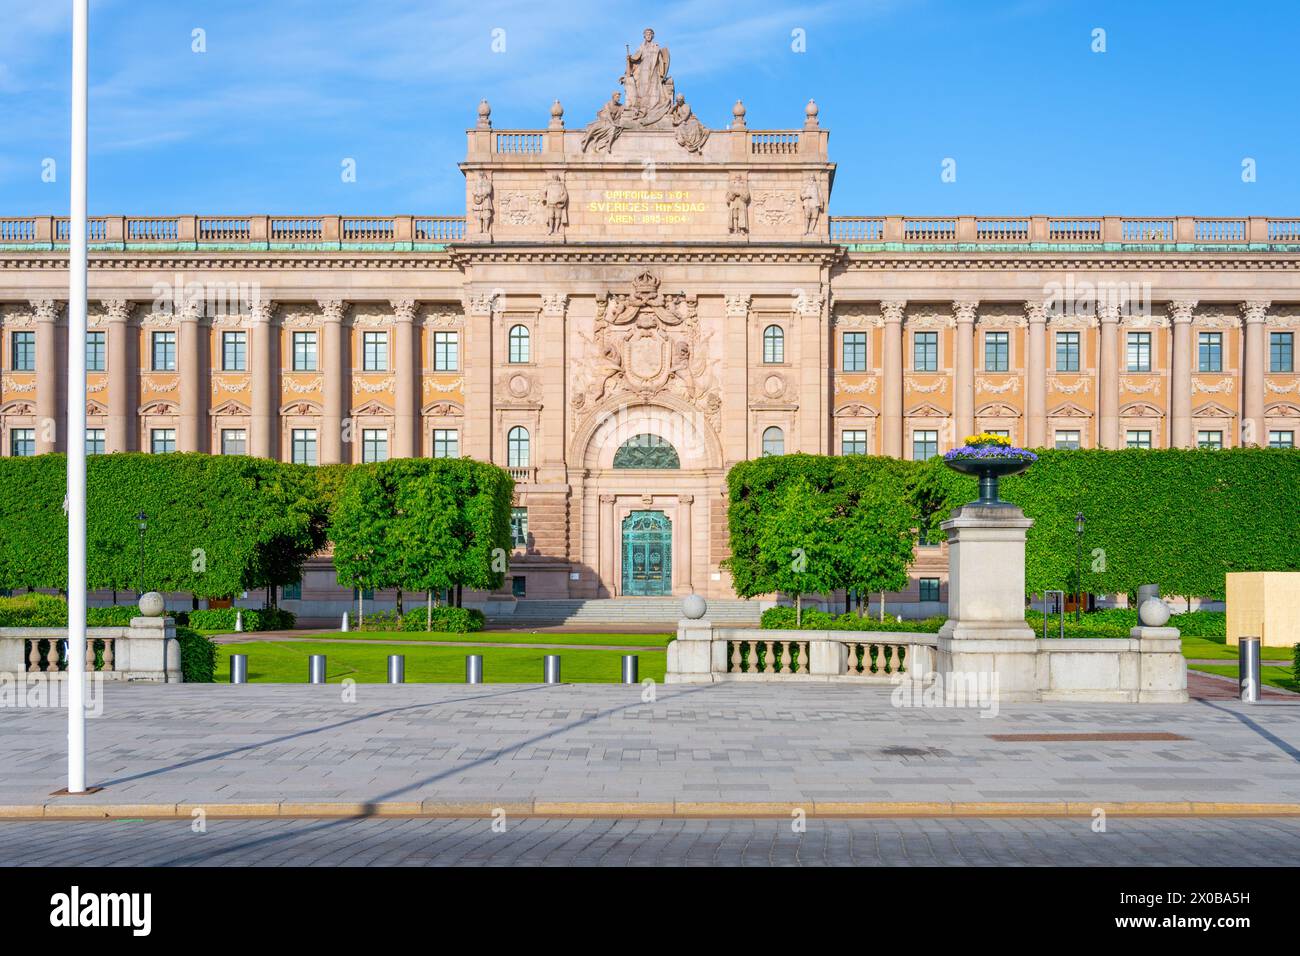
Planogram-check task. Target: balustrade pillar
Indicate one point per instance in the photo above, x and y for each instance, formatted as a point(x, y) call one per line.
point(1036, 376)
point(407, 365)
point(264, 442)
point(964, 374)
point(892, 375)
point(1180, 375)
point(1255, 313)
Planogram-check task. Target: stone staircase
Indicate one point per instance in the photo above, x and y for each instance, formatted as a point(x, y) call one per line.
point(627, 611)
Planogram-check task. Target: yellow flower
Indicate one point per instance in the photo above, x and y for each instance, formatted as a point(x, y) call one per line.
point(986, 438)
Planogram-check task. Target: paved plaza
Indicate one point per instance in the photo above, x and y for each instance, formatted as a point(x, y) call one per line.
point(720, 750)
point(622, 843)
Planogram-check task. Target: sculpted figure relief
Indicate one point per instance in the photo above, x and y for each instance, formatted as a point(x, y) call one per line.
point(738, 206)
point(691, 133)
point(649, 88)
point(811, 195)
point(556, 201)
point(606, 127)
point(481, 197)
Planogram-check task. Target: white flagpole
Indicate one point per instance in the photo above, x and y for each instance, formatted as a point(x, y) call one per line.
point(76, 432)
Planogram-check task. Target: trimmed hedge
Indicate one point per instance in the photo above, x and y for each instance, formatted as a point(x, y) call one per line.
point(259, 619)
point(452, 620)
point(198, 656)
point(783, 618)
point(48, 610)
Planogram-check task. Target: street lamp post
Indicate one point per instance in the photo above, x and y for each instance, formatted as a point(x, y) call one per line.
point(142, 523)
point(1078, 566)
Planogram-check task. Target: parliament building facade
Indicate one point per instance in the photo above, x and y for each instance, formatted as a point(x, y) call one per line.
point(628, 308)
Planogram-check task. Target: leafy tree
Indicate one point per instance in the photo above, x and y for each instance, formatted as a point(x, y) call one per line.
point(796, 545)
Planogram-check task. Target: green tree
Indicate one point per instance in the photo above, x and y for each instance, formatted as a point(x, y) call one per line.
point(796, 543)
point(875, 537)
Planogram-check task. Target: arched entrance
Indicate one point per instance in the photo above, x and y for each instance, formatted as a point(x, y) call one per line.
point(647, 554)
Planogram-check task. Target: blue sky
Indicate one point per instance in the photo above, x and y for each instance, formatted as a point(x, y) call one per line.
point(1037, 122)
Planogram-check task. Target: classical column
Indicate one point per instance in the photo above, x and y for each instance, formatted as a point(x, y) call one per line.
point(1108, 435)
point(1180, 375)
point(1036, 376)
point(608, 542)
point(551, 355)
point(49, 428)
point(264, 442)
point(891, 362)
point(194, 376)
point(685, 576)
point(336, 370)
point(122, 388)
point(481, 310)
point(408, 365)
point(1255, 312)
point(964, 311)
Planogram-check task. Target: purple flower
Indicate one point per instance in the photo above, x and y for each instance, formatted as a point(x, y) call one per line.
point(978, 452)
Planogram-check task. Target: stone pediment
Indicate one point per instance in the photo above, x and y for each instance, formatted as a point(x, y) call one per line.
point(158, 408)
point(1141, 410)
point(1212, 410)
point(1070, 410)
point(1283, 410)
point(230, 407)
point(997, 410)
point(372, 408)
point(927, 410)
point(444, 408)
point(20, 407)
point(301, 407)
point(856, 410)
point(94, 408)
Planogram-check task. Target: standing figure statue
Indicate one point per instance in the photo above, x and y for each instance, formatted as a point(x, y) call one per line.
point(556, 201)
point(811, 196)
point(481, 203)
point(649, 91)
point(738, 206)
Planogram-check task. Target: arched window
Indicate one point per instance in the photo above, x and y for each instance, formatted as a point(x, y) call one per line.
point(773, 345)
point(520, 351)
point(773, 441)
point(517, 447)
point(646, 451)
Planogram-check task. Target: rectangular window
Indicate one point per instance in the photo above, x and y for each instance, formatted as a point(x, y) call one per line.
point(854, 346)
point(446, 351)
point(1139, 352)
point(1281, 439)
point(925, 351)
point(304, 446)
point(997, 351)
point(374, 352)
point(929, 589)
point(519, 527)
point(22, 351)
point(1209, 352)
point(853, 442)
point(291, 592)
point(374, 445)
point(304, 352)
point(1138, 439)
point(1067, 351)
point(925, 444)
point(94, 351)
point(234, 441)
point(164, 351)
point(94, 441)
point(234, 351)
point(1067, 440)
point(1281, 352)
point(22, 442)
point(518, 586)
point(162, 440)
point(1005, 433)
point(446, 443)
point(1211, 439)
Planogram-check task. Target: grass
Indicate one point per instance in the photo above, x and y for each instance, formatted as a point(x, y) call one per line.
point(286, 663)
point(1281, 677)
point(502, 637)
point(1219, 650)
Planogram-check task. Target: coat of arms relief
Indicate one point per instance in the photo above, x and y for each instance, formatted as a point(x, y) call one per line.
point(643, 344)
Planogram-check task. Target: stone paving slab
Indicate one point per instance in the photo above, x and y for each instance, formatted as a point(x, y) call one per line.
point(727, 745)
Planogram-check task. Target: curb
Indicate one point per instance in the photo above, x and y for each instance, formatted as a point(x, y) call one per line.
point(434, 809)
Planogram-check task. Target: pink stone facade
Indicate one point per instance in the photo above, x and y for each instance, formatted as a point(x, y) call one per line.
point(696, 293)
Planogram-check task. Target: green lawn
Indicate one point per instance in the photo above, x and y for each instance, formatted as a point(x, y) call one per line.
point(1272, 676)
point(502, 637)
point(286, 663)
point(1219, 650)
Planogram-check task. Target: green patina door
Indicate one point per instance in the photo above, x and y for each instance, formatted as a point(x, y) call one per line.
point(647, 553)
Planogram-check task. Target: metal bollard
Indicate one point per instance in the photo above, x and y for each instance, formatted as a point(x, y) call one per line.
point(473, 668)
point(630, 669)
point(239, 668)
point(551, 669)
point(397, 668)
point(345, 622)
point(239, 622)
point(1248, 668)
point(316, 669)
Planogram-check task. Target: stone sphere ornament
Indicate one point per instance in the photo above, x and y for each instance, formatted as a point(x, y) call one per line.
point(694, 606)
point(152, 604)
point(1153, 612)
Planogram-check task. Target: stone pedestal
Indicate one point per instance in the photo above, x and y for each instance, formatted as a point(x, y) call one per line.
point(690, 656)
point(1162, 668)
point(151, 651)
point(986, 637)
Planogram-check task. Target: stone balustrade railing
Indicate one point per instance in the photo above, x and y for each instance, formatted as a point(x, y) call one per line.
point(704, 654)
point(147, 650)
point(1113, 231)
